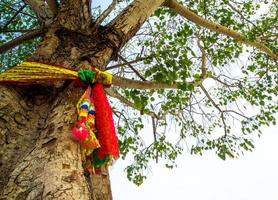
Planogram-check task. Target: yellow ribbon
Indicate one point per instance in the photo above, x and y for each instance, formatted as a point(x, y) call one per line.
point(27, 72)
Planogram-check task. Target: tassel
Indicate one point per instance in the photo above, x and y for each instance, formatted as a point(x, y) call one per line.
point(80, 132)
point(105, 125)
point(85, 130)
point(94, 112)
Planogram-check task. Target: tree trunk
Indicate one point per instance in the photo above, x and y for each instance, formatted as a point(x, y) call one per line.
point(38, 157)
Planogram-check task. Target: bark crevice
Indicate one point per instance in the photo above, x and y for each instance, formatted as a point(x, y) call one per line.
point(39, 158)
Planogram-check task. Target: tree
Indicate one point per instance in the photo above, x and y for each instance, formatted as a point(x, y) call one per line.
point(208, 68)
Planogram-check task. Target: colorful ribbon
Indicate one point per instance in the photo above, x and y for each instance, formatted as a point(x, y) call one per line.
point(34, 72)
point(95, 128)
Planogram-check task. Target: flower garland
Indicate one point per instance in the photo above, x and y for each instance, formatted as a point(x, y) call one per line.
point(95, 128)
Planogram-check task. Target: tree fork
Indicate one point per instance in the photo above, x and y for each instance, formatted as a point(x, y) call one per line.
point(50, 166)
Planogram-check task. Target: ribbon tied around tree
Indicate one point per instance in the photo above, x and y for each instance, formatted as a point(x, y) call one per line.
point(94, 128)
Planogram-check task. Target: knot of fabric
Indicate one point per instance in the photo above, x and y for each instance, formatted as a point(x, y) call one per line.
point(87, 76)
point(95, 128)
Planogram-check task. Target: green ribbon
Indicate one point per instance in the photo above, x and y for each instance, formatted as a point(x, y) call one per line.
point(99, 162)
point(86, 76)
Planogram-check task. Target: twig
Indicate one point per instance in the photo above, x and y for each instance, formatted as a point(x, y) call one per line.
point(224, 124)
point(217, 107)
point(133, 69)
point(15, 31)
point(24, 38)
point(24, 13)
point(14, 16)
point(210, 99)
point(204, 57)
point(236, 113)
point(237, 11)
point(128, 63)
point(113, 93)
point(155, 139)
point(222, 82)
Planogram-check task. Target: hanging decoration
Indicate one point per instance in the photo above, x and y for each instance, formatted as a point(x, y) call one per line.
point(94, 128)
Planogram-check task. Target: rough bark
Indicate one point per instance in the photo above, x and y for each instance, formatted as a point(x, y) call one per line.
point(43, 161)
point(42, 10)
point(125, 25)
point(38, 158)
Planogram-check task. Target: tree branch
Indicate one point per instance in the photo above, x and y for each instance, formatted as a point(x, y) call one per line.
point(106, 13)
point(142, 85)
point(148, 85)
point(129, 21)
point(42, 11)
point(24, 38)
point(76, 15)
point(53, 5)
point(185, 12)
point(122, 28)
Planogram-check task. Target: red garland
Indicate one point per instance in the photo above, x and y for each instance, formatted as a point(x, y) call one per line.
point(105, 125)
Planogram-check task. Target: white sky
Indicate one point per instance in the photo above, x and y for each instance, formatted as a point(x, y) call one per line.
point(253, 176)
